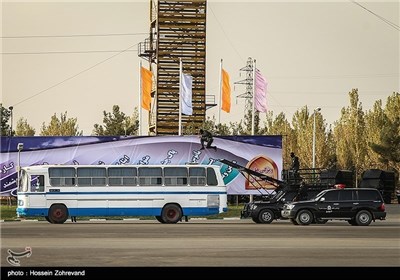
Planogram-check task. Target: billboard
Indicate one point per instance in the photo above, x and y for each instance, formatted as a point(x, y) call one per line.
point(260, 153)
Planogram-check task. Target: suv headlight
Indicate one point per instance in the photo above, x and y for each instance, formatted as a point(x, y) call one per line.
point(289, 206)
point(253, 207)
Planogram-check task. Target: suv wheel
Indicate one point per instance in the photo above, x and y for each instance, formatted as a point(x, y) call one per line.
point(363, 218)
point(320, 221)
point(294, 222)
point(266, 216)
point(352, 222)
point(256, 220)
point(304, 217)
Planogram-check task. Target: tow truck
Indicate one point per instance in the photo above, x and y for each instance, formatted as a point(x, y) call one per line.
point(267, 207)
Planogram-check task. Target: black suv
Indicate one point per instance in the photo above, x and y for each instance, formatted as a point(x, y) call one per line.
point(359, 206)
point(265, 211)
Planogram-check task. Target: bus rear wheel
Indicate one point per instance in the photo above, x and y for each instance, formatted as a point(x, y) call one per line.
point(58, 214)
point(171, 214)
point(158, 218)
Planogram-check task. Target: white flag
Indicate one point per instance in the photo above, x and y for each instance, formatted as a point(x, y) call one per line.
point(186, 94)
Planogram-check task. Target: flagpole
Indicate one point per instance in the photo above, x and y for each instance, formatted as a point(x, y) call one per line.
point(140, 98)
point(254, 95)
point(179, 99)
point(220, 92)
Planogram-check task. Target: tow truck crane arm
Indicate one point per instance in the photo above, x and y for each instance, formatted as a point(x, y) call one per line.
point(256, 177)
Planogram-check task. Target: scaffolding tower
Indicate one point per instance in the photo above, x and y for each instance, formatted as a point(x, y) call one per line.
point(177, 31)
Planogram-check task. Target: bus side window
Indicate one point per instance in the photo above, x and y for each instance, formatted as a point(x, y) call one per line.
point(37, 183)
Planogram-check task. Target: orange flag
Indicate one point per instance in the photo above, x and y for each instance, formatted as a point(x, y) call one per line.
point(145, 76)
point(226, 92)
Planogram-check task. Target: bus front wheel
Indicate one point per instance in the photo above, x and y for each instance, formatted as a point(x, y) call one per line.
point(58, 214)
point(171, 214)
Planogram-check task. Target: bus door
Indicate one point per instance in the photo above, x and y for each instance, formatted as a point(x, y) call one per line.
point(37, 192)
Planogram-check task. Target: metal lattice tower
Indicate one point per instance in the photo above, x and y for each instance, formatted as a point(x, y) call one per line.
point(177, 31)
point(248, 82)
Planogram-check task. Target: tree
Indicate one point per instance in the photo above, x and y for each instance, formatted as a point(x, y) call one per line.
point(5, 117)
point(24, 129)
point(280, 126)
point(61, 126)
point(117, 123)
point(303, 128)
point(392, 107)
point(349, 134)
point(375, 120)
point(389, 147)
point(248, 121)
point(386, 145)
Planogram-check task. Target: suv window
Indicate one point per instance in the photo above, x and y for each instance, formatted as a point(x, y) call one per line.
point(331, 196)
point(368, 195)
point(345, 195)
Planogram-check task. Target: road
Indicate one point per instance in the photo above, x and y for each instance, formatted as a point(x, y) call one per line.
point(210, 243)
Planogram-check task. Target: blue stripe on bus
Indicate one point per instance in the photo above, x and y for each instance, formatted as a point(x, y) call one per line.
point(123, 193)
point(142, 211)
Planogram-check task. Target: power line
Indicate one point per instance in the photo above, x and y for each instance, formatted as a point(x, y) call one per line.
point(73, 76)
point(388, 22)
point(336, 76)
point(73, 35)
point(223, 31)
point(65, 52)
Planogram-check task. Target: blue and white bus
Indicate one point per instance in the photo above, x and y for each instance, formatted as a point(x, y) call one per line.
point(168, 192)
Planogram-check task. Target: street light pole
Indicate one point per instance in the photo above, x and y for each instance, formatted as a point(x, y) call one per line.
point(20, 146)
point(313, 142)
point(11, 116)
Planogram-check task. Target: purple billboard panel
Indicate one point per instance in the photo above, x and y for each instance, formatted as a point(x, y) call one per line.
point(260, 153)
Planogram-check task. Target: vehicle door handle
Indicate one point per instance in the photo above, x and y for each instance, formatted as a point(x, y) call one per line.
point(356, 203)
point(335, 203)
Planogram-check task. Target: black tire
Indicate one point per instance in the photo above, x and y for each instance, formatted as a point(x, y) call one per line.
point(47, 219)
point(58, 214)
point(352, 222)
point(256, 220)
point(171, 214)
point(266, 216)
point(320, 221)
point(304, 217)
point(294, 222)
point(158, 218)
point(363, 218)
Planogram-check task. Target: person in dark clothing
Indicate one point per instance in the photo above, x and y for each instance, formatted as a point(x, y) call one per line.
point(206, 136)
point(295, 163)
point(302, 193)
point(294, 168)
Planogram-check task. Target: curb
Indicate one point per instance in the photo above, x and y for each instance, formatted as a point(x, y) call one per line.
point(125, 219)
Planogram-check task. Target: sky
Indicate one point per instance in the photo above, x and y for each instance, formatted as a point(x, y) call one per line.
point(81, 57)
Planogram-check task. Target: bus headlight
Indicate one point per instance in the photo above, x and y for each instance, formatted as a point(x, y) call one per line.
point(212, 201)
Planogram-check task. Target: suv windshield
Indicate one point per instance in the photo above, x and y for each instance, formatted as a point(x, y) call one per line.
point(318, 196)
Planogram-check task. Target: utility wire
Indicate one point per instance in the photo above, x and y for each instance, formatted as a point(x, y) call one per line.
point(64, 52)
point(226, 36)
point(73, 76)
point(72, 35)
point(388, 22)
